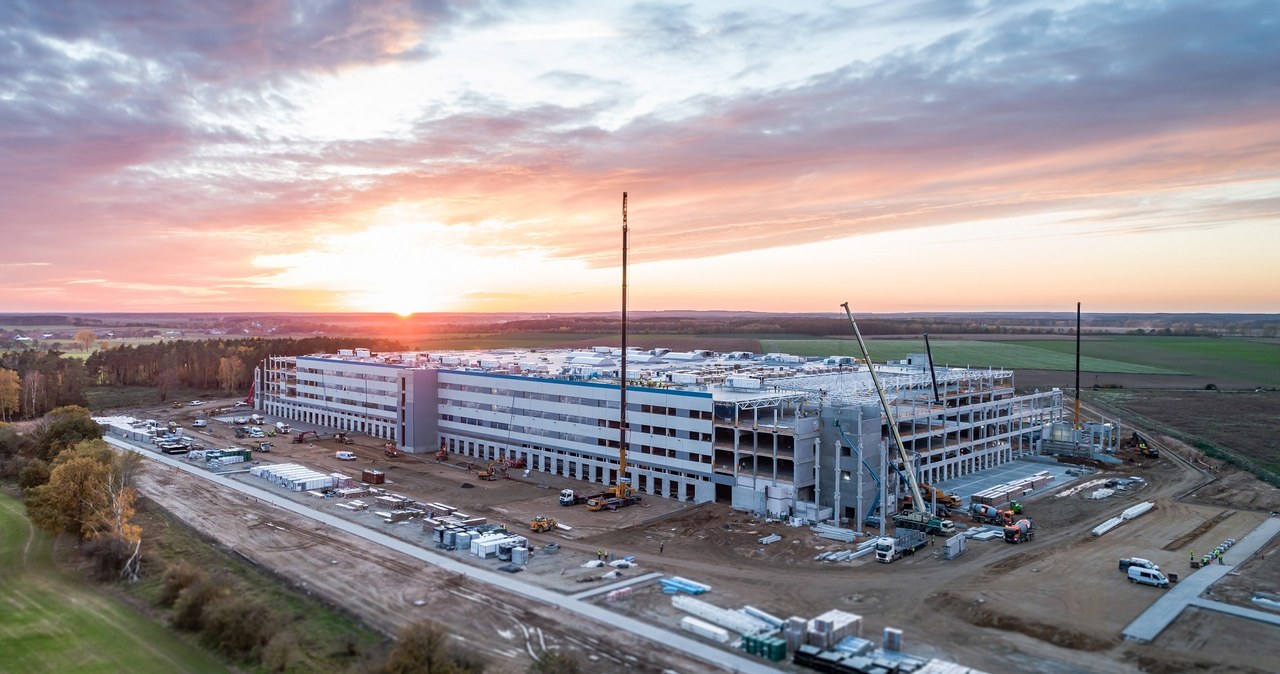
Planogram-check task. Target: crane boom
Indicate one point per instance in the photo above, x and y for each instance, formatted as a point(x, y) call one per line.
point(623, 488)
point(917, 499)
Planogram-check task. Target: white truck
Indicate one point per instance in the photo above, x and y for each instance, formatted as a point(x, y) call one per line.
point(906, 542)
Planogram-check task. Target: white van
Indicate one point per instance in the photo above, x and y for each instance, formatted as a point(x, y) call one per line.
point(1138, 574)
point(345, 456)
point(200, 423)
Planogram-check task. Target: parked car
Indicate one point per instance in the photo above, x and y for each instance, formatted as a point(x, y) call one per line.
point(1138, 562)
point(240, 420)
point(196, 403)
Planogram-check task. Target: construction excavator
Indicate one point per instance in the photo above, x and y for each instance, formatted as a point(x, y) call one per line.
point(496, 469)
point(302, 437)
point(391, 451)
point(343, 438)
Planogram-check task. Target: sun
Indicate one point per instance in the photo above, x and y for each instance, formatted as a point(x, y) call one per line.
point(404, 314)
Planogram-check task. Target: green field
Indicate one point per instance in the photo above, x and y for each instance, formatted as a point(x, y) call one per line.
point(1246, 360)
point(53, 622)
point(1029, 355)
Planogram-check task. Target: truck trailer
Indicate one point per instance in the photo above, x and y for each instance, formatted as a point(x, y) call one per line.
point(905, 542)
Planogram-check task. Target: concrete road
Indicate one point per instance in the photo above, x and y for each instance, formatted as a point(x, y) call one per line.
point(501, 582)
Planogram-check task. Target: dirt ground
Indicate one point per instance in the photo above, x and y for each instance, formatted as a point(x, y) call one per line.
point(1055, 604)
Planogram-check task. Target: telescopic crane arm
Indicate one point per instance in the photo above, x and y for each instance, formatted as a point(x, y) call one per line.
point(917, 500)
point(623, 488)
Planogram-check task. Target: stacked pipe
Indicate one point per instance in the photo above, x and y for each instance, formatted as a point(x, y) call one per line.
point(726, 618)
point(678, 584)
point(835, 533)
point(771, 538)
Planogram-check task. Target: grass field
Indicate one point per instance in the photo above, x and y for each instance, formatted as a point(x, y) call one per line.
point(52, 622)
point(969, 353)
point(1245, 360)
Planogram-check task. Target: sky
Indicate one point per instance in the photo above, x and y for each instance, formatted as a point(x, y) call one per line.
point(409, 156)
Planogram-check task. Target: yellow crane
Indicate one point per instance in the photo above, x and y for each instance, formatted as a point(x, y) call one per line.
point(623, 488)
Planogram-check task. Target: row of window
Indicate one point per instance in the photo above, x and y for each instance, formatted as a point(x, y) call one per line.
point(347, 374)
point(643, 408)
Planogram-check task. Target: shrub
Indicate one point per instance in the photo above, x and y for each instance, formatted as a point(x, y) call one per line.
point(189, 609)
point(177, 577)
point(238, 626)
point(108, 555)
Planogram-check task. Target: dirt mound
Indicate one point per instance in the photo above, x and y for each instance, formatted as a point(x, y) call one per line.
point(1238, 489)
point(981, 613)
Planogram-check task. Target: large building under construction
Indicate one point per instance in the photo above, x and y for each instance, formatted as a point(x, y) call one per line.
point(773, 433)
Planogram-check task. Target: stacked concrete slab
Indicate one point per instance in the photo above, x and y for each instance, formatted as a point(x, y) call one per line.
point(826, 630)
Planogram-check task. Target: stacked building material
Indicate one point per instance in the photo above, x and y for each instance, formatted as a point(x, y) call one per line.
point(684, 585)
point(620, 593)
point(796, 632)
point(293, 477)
point(1137, 511)
point(1001, 494)
point(394, 501)
point(771, 538)
point(353, 492)
point(835, 533)
point(1107, 526)
point(371, 476)
point(756, 613)
point(892, 640)
point(726, 618)
point(828, 629)
point(855, 645)
point(703, 629)
point(1099, 494)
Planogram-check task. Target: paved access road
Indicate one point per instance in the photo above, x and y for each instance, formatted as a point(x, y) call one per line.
point(501, 582)
point(1146, 627)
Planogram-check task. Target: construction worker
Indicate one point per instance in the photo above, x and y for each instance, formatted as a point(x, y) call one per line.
point(933, 540)
point(662, 546)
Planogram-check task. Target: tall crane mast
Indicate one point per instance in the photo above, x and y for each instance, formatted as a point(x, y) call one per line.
point(917, 500)
point(623, 488)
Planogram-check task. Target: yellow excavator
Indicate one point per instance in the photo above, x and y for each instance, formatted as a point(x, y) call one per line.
point(496, 469)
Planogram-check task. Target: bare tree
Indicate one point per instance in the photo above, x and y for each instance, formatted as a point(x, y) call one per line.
point(10, 393)
point(86, 339)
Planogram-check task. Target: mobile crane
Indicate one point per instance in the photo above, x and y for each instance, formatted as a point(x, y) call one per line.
point(621, 495)
point(921, 520)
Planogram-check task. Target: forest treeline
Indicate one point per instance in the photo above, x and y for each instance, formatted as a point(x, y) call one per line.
point(33, 382)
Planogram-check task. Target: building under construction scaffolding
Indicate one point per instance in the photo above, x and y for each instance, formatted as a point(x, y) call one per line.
point(775, 434)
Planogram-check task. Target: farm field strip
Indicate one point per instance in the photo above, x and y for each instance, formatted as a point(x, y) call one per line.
point(52, 622)
point(1225, 358)
point(1024, 356)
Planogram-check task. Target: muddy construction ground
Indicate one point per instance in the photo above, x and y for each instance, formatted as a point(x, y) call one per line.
point(1055, 604)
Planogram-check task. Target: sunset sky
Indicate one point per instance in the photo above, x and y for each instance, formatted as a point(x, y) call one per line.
point(389, 155)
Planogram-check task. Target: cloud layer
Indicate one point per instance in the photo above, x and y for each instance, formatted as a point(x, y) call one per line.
point(243, 137)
